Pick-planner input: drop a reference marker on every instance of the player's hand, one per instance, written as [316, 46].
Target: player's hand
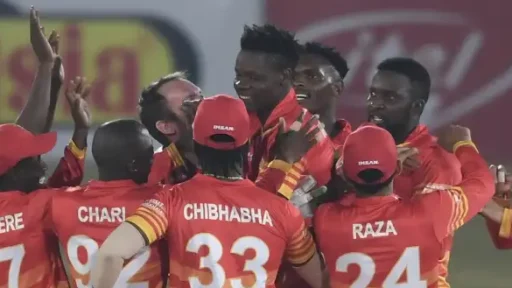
[58, 74]
[305, 200]
[453, 134]
[40, 44]
[409, 157]
[503, 180]
[76, 94]
[306, 191]
[308, 197]
[305, 194]
[293, 144]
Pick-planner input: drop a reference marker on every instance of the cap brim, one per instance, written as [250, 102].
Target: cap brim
[43, 143]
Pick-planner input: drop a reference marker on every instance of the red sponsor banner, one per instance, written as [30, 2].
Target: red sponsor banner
[460, 42]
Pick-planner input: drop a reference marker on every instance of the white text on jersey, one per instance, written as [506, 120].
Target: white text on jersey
[209, 211]
[11, 222]
[87, 214]
[376, 229]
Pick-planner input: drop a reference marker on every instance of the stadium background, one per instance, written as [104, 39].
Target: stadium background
[122, 45]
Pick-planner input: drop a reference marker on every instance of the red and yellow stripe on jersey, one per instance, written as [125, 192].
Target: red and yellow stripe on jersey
[291, 179]
[301, 247]
[151, 220]
[506, 224]
[459, 208]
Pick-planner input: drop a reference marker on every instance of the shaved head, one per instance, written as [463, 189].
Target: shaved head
[123, 148]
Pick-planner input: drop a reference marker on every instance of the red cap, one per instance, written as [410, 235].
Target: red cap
[221, 114]
[369, 147]
[16, 144]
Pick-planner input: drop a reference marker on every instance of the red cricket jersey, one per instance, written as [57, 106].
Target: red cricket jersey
[438, 167]
[70, 170]
[224, 234]
[344, 129]
[288, 277]
[28, 250]
[82, 220]
[387, 241]
[318, 160]
[168, 166]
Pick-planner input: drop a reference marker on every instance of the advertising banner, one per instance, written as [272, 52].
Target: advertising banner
[118, 55]
[460, 42]
[122, 46]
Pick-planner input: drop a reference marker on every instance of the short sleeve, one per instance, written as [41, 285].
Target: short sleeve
[300, 246]
[152, 217]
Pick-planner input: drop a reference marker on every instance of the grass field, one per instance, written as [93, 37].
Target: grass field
[475, 263]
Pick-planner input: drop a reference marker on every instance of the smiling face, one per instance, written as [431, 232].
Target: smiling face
[181, 97]
[316, 83]
[259, 82]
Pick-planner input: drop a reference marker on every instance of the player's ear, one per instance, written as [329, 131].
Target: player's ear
[417, 107]
[165, 127]
[132, 167]
[338, 88]
[286, 76]
[169, 129]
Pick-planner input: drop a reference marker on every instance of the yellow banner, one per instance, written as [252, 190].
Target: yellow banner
[119, 57]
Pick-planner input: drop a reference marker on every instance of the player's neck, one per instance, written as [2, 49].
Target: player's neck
[112, 175]
[401, 134]
[328, 118]
[264, 114]
[232, 175]
[386, 191]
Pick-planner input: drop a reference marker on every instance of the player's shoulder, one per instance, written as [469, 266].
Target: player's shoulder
[325, 208]
[438, 156]
[334, 210]
[46, 193]
[60, 194]
[13, 199]
[35, 201]
[146, 190]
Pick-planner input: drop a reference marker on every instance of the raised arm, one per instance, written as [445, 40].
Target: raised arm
[456, 205]
[34, 115]
[70, 170]
[57, 80]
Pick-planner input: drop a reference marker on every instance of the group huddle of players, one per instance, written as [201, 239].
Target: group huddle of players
[269, 189]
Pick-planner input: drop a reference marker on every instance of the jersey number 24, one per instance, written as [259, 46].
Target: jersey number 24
[409, 263]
